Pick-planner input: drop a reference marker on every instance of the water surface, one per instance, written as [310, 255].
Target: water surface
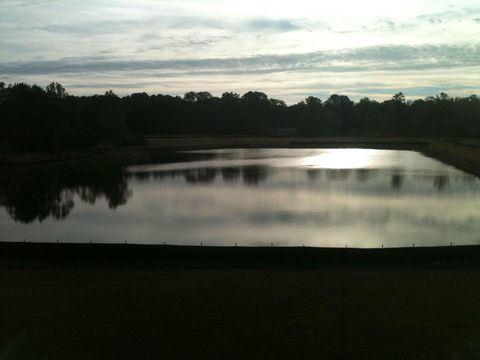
[253, 197]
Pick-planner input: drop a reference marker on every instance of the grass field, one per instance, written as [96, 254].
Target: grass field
[130, 302]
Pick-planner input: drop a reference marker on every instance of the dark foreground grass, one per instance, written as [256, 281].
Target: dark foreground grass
[128, 255]
[141, 302]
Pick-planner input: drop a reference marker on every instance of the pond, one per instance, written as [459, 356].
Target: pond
[252, 197]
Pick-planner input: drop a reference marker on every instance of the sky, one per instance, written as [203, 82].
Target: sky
[288, 49]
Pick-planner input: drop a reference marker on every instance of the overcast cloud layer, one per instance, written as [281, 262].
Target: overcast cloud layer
[289, 50]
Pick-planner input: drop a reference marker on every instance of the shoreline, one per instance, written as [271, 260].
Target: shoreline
[461, 153]
[18, 254]
[162, 144]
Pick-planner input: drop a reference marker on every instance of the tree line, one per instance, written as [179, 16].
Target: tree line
[49, 119]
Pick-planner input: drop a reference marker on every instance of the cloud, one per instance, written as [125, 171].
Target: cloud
[419, 91]
[264, 24]
[458, 14]
[383, 25]
[166, 22]
[102, 27]
[27, 3]
[376, 58]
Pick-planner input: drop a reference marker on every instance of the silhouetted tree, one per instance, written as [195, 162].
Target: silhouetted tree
[313, 101]
[197, 96]
[56, 90]
[341, 114]
[34, 119]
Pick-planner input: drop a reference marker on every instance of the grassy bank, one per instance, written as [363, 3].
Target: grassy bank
[461, 153]
[128, 255]
[195, 143]
[126, 302]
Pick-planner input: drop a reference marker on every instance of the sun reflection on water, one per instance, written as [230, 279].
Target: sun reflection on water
[343, 159]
